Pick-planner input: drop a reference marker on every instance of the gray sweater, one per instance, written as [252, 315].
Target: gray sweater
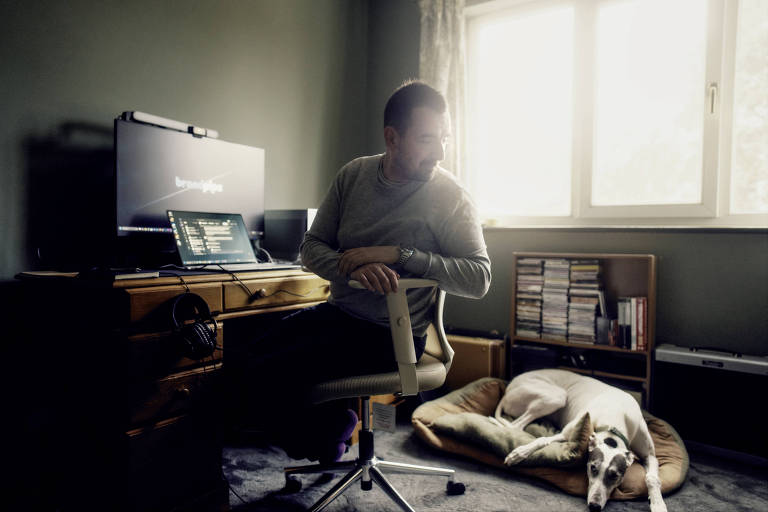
[436, 217]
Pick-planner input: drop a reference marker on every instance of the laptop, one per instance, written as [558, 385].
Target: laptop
[215, 241]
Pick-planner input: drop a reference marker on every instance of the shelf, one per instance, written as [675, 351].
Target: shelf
[622, 275]
[586, 346]
[608, 375]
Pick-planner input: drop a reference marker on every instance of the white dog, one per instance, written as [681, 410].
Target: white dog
[620, 430]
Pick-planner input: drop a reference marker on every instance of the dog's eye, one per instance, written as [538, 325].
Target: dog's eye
[594, 469]
[611, 474]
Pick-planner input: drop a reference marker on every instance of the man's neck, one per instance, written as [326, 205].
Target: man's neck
[390, 170]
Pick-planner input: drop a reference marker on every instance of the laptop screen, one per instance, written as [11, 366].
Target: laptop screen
[211, 238]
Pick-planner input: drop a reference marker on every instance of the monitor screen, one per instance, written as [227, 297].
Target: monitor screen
[159, 169]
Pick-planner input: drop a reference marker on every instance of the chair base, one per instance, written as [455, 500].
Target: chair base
[367, 471]
[366, 468]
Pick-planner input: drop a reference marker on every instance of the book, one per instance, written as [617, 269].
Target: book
[642, 323]
[633, 323]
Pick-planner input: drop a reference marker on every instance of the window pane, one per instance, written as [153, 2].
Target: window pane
[749, 157]
[519, 112]
[649, 102]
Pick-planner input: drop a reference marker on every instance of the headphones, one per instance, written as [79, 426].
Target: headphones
[197, 340]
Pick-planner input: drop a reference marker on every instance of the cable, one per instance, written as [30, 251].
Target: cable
[269, 256]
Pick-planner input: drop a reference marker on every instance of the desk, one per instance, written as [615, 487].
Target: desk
[116, 417]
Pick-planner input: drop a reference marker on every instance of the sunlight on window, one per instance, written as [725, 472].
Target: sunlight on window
[519, 113]
[749, 157]
[649, 102]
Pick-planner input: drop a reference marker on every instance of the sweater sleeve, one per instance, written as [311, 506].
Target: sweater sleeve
[462, 266]
[319, 249]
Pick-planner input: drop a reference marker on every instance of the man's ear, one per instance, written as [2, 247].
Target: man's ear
[391, 137]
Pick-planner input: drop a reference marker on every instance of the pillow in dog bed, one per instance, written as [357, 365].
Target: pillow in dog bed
[458, 423]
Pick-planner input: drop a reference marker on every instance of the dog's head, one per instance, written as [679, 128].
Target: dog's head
[609, 458]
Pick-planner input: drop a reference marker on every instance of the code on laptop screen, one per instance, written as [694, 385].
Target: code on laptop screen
[210, 238]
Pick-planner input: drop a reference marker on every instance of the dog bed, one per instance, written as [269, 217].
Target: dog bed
[458, 423]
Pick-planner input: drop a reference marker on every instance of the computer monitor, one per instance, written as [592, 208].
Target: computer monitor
[159, 169]
[284, 230]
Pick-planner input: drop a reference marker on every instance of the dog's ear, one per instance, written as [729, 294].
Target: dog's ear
[592, 442]
[630, 458]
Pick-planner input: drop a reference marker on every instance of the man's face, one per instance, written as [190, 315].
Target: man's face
[416, 153]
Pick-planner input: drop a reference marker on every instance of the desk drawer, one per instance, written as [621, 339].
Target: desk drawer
[293, 290]
[143, 303]
[159, 354]
[174, 395]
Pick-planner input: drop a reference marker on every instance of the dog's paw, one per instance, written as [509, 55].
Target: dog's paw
[515, 456]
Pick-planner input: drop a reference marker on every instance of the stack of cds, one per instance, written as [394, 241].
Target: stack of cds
[584, 300]
[554, 313]
[530, 281]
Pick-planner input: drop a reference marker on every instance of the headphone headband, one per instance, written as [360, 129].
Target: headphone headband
[195, 304]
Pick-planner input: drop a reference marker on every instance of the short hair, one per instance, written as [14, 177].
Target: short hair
[411, 94]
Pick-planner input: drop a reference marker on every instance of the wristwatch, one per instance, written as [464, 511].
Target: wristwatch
[405, 255]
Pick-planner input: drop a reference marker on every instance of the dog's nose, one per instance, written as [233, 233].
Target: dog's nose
[594, 507]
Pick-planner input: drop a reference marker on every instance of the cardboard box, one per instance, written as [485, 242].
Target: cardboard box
[476, 358]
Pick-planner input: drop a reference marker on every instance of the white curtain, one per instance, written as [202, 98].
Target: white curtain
[441, 64]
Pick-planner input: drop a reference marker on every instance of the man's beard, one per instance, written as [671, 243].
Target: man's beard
[425, 172]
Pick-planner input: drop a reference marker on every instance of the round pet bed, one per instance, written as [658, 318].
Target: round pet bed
[458, 423]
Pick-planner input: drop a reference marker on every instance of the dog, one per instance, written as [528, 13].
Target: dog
[620, 432]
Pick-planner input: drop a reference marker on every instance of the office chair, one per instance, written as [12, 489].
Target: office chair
[412, 376]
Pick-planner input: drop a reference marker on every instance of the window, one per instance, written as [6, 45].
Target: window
[616, 112]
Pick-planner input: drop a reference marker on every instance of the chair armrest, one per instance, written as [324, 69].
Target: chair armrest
[409, 282]
[402, 335]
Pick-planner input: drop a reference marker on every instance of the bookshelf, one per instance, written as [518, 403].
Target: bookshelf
[621, 275]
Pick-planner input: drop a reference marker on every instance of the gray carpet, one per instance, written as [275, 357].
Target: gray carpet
[255, 474]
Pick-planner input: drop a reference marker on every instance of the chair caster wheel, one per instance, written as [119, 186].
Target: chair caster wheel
[366, 486]
[292, 485]
[455, 488]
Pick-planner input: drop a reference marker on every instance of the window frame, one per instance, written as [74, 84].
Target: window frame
[714, 208]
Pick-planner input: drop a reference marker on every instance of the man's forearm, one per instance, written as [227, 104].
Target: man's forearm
[320, 258]
[466, 277]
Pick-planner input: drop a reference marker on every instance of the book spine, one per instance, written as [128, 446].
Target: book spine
[626, 326]
[642, 323]
[633, 322]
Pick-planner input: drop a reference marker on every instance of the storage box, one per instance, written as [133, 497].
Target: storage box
[474, 359]
[711, 397]
[525, 358]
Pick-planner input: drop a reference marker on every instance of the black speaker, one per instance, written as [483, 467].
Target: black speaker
[196, 340]
[712, 397]
[284, 230]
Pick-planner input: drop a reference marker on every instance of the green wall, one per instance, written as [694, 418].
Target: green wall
[288, 76]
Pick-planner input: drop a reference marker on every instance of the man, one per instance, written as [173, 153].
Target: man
[384, 217]
[399, 214]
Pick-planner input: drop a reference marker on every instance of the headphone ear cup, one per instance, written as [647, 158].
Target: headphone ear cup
[197, 340]
[206, 340]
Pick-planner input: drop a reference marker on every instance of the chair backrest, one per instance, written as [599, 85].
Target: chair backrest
[402, 335]
[437, 342]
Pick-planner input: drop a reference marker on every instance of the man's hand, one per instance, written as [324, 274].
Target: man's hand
[376, 277]
[354, 258]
